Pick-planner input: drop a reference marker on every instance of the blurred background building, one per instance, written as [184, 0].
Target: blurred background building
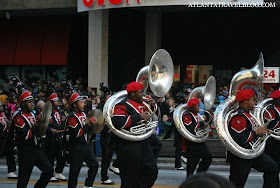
[112, 42]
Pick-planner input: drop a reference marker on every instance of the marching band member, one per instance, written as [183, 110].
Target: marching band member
[79, 150]
[138, 168]
[107, 142]
[7, 149]
[241, 128]
[29, 154]
[53, 140]
[272, 146]
[195, 151]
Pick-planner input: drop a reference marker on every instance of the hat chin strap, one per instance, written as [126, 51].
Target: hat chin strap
[25, 109]
[77, 109]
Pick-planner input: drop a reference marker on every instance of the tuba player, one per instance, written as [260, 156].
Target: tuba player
[191, 150]
[272, 146]
[137, 163]
[241, 128]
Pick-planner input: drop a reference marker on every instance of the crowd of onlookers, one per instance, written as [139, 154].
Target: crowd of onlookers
[178, 94]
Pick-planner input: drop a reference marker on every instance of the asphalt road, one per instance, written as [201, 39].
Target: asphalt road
[168, 177]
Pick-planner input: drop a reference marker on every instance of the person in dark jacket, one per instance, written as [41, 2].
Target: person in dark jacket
[53, 139]
[137, 162]
[241, 129]
[29, 154]
[79, 150]
[272, 147]
[6, 146]
[193, 151]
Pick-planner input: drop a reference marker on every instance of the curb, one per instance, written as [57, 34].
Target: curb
[169, 160]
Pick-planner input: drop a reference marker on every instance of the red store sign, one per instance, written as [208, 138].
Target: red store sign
[271, 75]
[89, 3]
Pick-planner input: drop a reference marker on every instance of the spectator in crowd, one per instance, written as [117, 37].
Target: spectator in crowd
[168, 96]
[166, 124]
[216, 103]
[1, 89]
[6, 86]
[41, 105]
[202, 108]
[185, 91]
[221, 98]
[163, 108]
[55, 76]
[3, 97]
[41, 95]
[171, 104]
[81, 90]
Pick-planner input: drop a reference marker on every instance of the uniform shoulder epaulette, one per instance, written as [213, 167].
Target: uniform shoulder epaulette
[240, 112]
[72, 113]
[19, 113]
[271, 106]
[124, 101]
[187, 113]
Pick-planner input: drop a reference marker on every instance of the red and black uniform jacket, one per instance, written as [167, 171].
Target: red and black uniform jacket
[55, 123]
[25, 129]
[3, 126]
[4, 141]
[272, 145]
[275, 115]
[241, 128]
[127, 114]
[78, 129]
[192, 123]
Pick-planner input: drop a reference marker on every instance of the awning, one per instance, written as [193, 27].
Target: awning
[56, 42]
[8, 38]
[35, 41]
[29, 45]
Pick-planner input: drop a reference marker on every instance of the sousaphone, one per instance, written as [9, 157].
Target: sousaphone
[159, 76]
[244, 79]
[207, 94]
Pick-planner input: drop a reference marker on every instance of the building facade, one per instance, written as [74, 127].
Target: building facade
[111, 40]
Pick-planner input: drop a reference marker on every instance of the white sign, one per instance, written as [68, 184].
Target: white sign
[271, 75]
[87, 5]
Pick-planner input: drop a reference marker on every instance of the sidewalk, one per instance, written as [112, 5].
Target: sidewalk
[215, 161]
[168, 160]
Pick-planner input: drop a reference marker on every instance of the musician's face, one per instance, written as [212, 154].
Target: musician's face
[277, 102]
[81, 105]
[138, 95]
[55, 103]
[251, 103]
[195, 108]
[30, 105]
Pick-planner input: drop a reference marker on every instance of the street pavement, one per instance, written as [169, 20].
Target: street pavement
[168, 177]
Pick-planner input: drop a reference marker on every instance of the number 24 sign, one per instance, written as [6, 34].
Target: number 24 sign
[271, 75]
